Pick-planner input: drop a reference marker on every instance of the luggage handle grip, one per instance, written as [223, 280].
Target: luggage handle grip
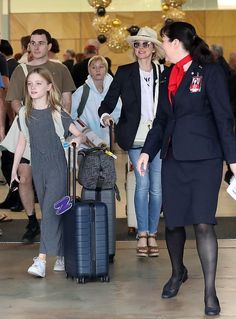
[73, 144]
[110, 134]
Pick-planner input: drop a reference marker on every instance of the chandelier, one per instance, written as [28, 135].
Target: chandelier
[114, 34]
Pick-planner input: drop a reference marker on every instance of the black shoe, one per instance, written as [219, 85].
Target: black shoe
[18, 207]
[32, 231]
[6, 204]
[169, 290]
[213, 310]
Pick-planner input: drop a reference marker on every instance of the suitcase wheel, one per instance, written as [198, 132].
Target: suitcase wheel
[111, 259]
[68, 276]
[105, 279]
[80, 280]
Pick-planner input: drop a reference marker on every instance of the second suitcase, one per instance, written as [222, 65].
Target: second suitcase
[106, 196]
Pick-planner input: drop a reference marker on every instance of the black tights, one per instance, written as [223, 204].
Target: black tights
[207, 250]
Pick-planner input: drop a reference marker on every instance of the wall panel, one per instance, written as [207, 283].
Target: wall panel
[74, 29]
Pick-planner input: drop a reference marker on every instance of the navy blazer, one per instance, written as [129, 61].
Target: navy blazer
[126, 85]
[199, 125]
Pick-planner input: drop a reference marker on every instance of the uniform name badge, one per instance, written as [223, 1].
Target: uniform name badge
[196, 84]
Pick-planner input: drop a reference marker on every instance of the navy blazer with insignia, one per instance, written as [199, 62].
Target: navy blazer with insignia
[199, 125]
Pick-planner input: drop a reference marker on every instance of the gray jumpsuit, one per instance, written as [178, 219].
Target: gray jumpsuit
[49, 170]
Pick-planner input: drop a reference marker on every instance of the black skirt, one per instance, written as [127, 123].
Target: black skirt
[190, 190]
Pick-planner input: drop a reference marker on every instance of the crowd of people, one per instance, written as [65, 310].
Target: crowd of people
[175, 120]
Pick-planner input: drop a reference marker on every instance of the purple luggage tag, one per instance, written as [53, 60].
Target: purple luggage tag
[63, 205]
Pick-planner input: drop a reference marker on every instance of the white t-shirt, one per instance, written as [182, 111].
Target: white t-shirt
[146, 94]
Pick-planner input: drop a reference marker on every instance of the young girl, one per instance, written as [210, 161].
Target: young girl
[43, 124]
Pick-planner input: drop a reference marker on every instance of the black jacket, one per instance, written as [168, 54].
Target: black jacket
[199, 125]
[126, 85]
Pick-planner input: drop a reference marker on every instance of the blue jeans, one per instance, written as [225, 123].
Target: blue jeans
[148, 195]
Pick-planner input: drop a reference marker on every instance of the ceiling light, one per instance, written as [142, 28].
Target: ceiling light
[226, 4]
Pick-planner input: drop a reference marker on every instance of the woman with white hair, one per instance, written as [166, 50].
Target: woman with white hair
[137, 84]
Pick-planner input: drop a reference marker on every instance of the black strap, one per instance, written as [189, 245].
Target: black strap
[73, 195]
[110, 136]
[83, 100]
[117, 192]
[100, 179]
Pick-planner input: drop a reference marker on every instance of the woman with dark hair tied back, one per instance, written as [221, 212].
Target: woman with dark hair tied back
[194, 130]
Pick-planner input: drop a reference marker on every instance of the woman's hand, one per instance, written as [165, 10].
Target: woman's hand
[233, 168]
[107, 120]
[2, 134]
[142, 163]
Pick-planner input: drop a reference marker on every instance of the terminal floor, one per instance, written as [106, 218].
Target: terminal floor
[134, 289]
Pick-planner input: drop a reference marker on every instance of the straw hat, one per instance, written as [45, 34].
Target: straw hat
[145, 34]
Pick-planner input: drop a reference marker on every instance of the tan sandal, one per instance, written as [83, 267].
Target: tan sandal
[142, 251]
[153, 250]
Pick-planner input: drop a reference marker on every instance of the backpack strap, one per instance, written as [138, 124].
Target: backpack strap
[25, 70]
[83, 100]
[57, 120]
[23, 124]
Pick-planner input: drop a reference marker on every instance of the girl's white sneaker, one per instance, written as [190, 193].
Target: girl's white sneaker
[38, 268]
[59, 264]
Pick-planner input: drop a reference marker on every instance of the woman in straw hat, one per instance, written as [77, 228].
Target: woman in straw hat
[137, 84]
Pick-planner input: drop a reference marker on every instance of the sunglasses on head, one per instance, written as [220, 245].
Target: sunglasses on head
[145, 44]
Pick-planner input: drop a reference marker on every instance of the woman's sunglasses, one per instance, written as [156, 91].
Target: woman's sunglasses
[144, 45]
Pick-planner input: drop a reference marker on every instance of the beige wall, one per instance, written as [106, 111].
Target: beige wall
[73, 29]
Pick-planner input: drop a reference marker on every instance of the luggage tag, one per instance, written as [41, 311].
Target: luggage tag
[196, 84]
[63, 205]
[109, 153]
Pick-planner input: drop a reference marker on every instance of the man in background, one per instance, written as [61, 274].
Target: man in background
[12, 200]
[25, 49]
[80, 70]
[69, 59]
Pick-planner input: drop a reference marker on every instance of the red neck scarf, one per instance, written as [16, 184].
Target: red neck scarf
[176, 76]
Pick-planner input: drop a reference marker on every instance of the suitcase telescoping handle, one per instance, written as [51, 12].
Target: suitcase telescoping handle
[73, 172]
[110, 135]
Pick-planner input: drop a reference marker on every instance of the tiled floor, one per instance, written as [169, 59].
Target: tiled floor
[135, 287]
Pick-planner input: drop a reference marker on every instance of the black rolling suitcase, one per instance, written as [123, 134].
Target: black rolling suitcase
[104, 191]
[85, 238]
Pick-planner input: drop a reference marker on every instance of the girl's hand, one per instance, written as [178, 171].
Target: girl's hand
[142, 163]
[14, 177]
[107, 120]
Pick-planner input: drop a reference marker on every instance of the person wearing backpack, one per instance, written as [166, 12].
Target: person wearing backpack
[88, 97]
